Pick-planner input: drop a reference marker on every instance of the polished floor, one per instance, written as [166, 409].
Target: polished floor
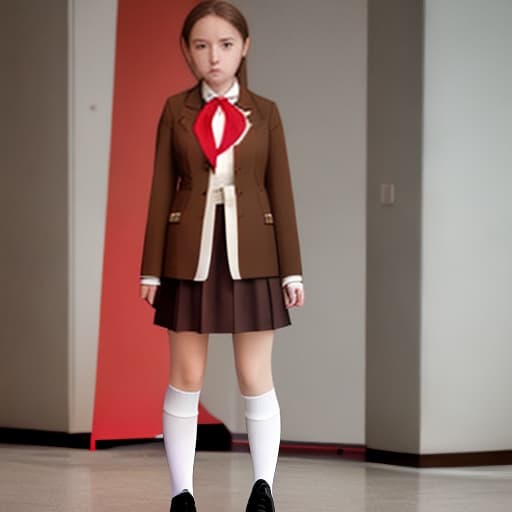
[134, 478]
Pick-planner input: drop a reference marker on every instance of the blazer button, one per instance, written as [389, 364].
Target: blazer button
[203, 192]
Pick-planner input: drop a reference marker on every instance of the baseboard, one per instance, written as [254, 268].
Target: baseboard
[440, 459]
[44, 437]
[210, 437]
[240, 443]
[216, 437]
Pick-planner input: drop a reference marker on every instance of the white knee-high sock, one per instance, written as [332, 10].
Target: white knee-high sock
[263, 421]
[180, 411]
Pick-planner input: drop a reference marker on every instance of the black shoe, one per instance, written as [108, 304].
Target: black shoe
[260, 499]
[183, 502]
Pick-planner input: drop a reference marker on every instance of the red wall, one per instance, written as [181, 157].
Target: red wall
[133, 357]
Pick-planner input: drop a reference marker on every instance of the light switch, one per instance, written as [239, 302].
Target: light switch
[387, 193]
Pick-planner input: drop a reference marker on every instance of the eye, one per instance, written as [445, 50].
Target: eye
[228, 44]
[200, 46]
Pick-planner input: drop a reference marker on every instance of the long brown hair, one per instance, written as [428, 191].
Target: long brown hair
[226, 11]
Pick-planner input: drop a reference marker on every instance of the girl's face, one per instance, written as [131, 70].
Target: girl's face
[215, 51]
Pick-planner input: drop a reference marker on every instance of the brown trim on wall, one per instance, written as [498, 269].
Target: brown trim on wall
[44, 437]
[210, 437]
[503, 457]
[240, 443]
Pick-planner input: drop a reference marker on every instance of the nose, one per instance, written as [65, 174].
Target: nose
[214, 55]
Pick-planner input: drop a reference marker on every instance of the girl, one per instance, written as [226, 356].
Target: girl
[221, 248]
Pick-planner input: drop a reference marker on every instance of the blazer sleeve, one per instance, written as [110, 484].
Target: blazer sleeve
[162, 188]
[279, 187]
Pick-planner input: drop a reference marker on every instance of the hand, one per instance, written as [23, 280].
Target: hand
[147, 292]
[293, 294]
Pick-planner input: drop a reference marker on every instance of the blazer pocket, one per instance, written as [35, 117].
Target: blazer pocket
[268, 218]
[174, 216]
[179, 205]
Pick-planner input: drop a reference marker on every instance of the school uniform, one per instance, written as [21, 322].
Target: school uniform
[221, 238]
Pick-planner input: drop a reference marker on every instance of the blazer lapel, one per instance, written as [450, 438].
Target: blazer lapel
[194, 102]
[246, 102]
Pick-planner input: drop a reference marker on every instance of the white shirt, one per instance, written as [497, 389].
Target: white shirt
[221, 190]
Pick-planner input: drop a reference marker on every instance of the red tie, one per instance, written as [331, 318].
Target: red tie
[233, 127]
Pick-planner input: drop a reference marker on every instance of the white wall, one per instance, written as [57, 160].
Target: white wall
[310, 57]
[92, 37]
[466, 331]
[439, 328]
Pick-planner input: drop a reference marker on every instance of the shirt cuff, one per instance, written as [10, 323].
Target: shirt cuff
[291, 279]
[150, 280]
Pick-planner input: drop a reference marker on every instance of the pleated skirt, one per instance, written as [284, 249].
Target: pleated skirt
[220, 304]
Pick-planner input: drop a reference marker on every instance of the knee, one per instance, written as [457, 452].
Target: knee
[188, 378]
[246, 384]
[187, 352]
[254, 381]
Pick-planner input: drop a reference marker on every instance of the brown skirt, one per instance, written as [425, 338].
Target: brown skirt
[220, 304]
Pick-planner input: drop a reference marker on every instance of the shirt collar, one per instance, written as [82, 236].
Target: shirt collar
[231, 94]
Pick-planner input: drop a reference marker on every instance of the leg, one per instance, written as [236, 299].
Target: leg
[253, 360]
[188, 351]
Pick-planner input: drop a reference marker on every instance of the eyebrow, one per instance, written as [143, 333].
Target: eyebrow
[199, 39]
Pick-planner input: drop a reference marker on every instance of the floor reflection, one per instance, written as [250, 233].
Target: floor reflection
[135, 478]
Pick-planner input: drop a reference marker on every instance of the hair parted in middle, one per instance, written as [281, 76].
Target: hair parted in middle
[226, 11]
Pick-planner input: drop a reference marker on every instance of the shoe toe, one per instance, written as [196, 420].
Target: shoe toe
[260, 499]
[183, 502]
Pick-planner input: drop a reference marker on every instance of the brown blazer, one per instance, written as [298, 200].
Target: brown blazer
[268, 242]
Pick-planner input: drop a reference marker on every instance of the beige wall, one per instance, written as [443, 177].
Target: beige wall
[437, 270]
[91, 77]
[310, 57]
[439, 127]
[395, 48]
[56, 107]
[71, 58]
[34, 212]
